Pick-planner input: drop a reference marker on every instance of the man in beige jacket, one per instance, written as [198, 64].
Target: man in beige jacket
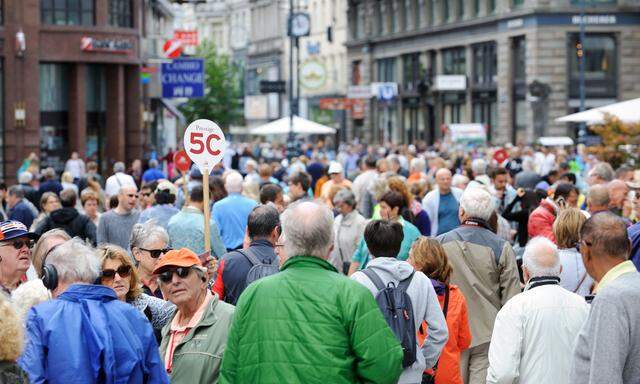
[485, 270]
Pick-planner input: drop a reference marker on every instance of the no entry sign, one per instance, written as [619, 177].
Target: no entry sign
[182, 161]
[172, 48]
[204, 143]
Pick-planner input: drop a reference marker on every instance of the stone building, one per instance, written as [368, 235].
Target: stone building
[511, 65]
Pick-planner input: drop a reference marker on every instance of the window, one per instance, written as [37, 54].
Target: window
[485, 63]
[411, 71]
[356, 75]
[379, 21]
[519, 102]
[386, 70]
[595, 3]
[54, 114]
[67, 12]
[432, 12]
[517, 3]
[417, 14]
[460, 9]
[476, 7]
[446, 12]
[600, 64]
[120, 14]
[492, 6]
[454, 61]
[405, 9]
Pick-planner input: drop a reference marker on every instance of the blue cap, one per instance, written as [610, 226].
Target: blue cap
[12, 229]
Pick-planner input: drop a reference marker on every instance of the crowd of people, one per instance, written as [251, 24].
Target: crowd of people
[385, 264]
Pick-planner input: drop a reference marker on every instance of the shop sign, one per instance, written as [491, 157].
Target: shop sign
[385, 91]
[357, 109]
[467, 133]
[256, 107]
[594, 19]
[451, 83]
[187, 38]
[119, 46]
[183, 78]
[335, 104]
[313, 75]
[359, 92]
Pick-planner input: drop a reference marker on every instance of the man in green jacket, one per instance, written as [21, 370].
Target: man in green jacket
[308, 323]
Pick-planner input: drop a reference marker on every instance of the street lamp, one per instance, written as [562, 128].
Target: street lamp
[581, 53]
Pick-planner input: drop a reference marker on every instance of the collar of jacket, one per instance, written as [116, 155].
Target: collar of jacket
[307, 262]
[77, 292]
[190, 209]
[540, 281]
[261, 243]
[208, 319]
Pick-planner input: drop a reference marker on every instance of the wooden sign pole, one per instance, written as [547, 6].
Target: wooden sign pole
[185, 190]
[207, 211]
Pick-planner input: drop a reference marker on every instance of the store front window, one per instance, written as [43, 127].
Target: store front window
[120, 13]
[54, 114]
[96, 108]
[601, 72]
[454, 108]
[67, 12]
[485, 65]
[454, 61]
[519, 86]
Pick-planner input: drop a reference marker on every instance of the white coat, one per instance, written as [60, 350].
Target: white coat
[431, 202]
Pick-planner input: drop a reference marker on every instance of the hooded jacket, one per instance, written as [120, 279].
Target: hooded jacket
[72, 222]
[87, 335]
[425, 308]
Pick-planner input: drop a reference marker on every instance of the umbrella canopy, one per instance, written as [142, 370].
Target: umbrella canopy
[627, 111]
[555, 141]
[300, 126]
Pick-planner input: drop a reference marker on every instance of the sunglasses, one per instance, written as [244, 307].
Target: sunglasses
[167, 275]
[155, 253]
[18, 244]
[123, 271]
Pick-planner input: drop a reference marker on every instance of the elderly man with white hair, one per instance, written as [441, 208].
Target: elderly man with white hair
[484, 268]
[86, 332]
[308, 323]
[534, 333]
[442, 204]
[232, 212]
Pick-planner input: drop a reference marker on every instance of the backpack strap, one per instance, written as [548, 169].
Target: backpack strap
[250, 256]
[404, 284]
[375, 279]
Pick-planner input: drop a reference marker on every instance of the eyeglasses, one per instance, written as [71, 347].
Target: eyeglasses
[167, 275]
[155, 253]
[18, 244]
[132, 195]
[579, 243]
[123, 271]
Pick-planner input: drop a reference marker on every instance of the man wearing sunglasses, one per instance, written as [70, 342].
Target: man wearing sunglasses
[15, 254]
[193, 342]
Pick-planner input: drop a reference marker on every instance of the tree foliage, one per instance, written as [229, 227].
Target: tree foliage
[221, 93]
[620, 141]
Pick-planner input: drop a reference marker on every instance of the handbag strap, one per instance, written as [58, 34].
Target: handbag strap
[584, 276]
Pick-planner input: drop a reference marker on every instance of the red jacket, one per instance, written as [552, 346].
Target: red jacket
[541, 221]
[459, 338]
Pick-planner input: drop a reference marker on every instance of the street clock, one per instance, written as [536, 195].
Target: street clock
[299, 24]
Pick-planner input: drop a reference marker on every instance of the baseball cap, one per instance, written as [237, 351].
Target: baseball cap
[335, 167]
[12, 229]
[182, 257]
[167, 186]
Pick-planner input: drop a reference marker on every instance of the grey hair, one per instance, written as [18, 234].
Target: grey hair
[345, 196]
[17, 191]
[528, 164]
[233, 182]
[598, 195]
[418, 164]
[308, 228]
[75, 262]
[25, 177]
[479, 167]
[541, 257]
[603, 171]
[147, 232]
[118, 167]
[459, 179]
[477, 203]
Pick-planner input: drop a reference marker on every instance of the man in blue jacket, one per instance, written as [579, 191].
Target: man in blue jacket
[86, 335]
[18, 208]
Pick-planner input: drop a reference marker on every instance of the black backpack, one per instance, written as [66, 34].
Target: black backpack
[397, 310]
[258, 268]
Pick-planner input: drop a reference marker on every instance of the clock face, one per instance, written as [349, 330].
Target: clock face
[300, 24]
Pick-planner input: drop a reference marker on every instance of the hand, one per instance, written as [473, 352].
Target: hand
[520, 192]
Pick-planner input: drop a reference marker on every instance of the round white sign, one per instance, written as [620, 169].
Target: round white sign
[204, 143]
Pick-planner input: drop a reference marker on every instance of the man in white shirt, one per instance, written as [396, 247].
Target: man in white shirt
[534, 333]
[118, 180]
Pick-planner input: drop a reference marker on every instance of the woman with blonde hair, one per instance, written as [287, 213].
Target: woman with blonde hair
[11, 344]
[428, 256]
[566, 229]
[67, 182]
[119, 273]
[49, 202]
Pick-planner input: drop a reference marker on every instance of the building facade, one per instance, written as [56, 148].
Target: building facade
[511, 65]
[70, 81]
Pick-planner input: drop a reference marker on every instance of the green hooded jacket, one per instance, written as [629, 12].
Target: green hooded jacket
[197, 357]
[309, 324]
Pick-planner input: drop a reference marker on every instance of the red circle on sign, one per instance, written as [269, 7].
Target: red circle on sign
[172, 48]
[182, 161]
[500, 156]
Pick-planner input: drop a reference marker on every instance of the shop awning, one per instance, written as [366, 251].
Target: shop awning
[301, 126]
[627, 111]
[174, 111]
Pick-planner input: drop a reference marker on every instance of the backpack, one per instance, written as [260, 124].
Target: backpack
[258, 269]
[397, 310]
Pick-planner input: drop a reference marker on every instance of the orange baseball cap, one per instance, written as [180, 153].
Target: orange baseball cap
[182, 257]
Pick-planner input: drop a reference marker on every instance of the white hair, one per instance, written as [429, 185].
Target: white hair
[479, 167]
[418, 164]
[233, 182]
[541, 257]
[118, 167]
[28, 295]
[75, 262]
[25, 177]
[528, 164]
[308, 228]
[146, 233]
[458, 179]
[477, 203]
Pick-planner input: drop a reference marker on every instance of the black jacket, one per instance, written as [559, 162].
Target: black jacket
[72, 222]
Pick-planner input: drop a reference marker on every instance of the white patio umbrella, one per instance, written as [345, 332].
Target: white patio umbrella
[627, 111]
[300, 126]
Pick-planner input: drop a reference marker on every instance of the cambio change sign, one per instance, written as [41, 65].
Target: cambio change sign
[183, 78]
[205, 143]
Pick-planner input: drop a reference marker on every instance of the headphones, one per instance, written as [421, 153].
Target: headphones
[49, 276]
